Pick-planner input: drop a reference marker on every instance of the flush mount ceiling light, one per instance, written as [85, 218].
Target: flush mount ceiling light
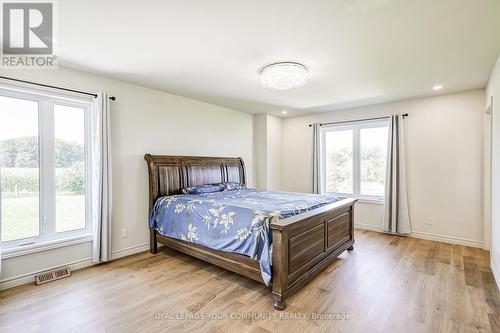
[437, 87]
[283, 75]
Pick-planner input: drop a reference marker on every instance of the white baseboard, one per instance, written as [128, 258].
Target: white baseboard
[427, 236]
[495, 273]
[447, 239]
[368, 227]
[129, 251]
[30, 277]
[73, 266]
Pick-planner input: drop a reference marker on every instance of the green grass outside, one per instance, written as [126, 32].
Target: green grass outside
[20, 216]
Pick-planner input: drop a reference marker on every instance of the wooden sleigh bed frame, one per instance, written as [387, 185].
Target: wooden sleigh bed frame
[303, 245]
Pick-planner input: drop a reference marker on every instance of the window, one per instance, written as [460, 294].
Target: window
[44, 167]
[354, 159]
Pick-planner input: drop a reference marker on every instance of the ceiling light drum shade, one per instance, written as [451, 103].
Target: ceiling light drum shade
[283, 75]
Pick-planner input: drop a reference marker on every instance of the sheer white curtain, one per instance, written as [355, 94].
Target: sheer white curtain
[396, 214]
[316, 158]
[101, 178]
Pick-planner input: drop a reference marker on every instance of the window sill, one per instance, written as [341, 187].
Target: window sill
[363, 199]
[45, 246]
[371, 201]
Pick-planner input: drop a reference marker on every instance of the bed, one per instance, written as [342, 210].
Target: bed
[277, 238]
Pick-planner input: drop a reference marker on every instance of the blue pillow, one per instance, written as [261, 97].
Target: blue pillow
[200, 189]
[232, 186]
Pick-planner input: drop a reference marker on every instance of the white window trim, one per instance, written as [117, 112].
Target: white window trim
[355, 126]
[18, 251]
[47, 221]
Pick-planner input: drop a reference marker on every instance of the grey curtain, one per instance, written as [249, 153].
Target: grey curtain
[101, 178]
[396, 213]
[316, 157]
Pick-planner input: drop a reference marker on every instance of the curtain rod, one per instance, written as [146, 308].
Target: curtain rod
[355, 121]
[54, 87]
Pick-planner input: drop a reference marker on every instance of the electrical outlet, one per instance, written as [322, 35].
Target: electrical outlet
[430, 220]
[124, 233]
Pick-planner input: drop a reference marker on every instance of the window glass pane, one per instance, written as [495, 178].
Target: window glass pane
[19, 169]
[339, 164]
[373, 143]
[70, 167]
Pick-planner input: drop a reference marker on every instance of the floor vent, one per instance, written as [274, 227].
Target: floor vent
[52, 276]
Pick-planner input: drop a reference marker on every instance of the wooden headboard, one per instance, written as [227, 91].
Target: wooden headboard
[169, 174]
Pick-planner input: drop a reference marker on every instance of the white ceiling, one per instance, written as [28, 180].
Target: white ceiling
[357, 52]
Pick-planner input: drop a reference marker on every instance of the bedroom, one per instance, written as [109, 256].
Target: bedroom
[196, 84]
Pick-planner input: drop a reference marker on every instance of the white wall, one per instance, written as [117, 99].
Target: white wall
[487, 178]
[494, 90]
[268, 151]
[143, 121]
[444, 161]
[260, 150]
[275, 153]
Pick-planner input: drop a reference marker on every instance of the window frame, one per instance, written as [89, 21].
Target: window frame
[356, 127]
[46, 147]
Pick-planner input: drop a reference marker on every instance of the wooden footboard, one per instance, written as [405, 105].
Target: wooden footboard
[305, 244]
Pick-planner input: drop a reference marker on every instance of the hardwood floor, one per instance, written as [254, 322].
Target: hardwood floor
[387, 284]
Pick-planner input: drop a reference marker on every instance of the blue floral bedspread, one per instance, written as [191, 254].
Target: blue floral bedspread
[232, 221]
